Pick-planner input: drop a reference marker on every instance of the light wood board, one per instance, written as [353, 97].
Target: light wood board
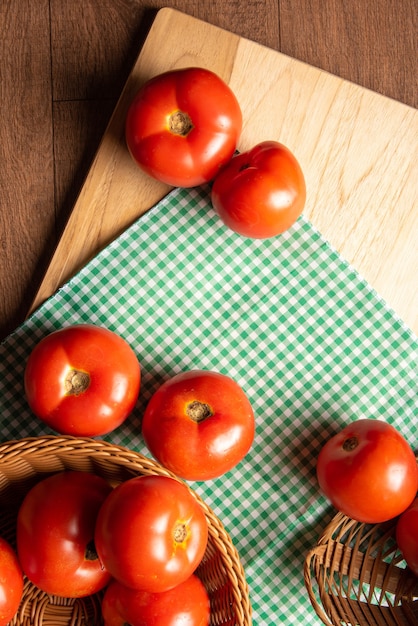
[358, 151]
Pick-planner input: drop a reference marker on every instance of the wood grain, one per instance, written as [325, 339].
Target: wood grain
[355, 147]
[27, 179]
[63, 66]
[79, 124]
[338, 34]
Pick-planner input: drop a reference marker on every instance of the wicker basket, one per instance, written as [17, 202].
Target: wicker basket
[361, 578]
[26, 461]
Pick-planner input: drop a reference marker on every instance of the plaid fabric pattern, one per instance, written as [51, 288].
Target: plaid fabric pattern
[310, 342]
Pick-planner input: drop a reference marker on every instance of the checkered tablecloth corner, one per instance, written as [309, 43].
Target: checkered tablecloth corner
[310, 342]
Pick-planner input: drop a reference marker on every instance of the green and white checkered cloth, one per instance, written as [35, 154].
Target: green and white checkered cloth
[310, 342]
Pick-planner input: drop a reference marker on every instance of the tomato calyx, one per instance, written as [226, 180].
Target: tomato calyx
[76, 382]
[180, 123]
[180, 533]
[198, 411]
[350, 444]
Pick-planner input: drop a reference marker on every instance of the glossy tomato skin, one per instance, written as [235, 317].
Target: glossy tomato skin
[178, 154]
[407, 536]
[55, 533]
[185, 605]
[368, 471]
[260, 193]
[151, 533]
[104, 366]
[11, 582]
[199, 424]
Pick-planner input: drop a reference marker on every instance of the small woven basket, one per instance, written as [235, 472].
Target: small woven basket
[360, 576]
[26, 461]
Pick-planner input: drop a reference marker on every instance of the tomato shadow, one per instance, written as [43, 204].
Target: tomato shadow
[301, 452]
[151, 380]
[290, 512]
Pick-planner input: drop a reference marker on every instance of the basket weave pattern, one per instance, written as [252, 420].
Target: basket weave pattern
[26, 461]
[360, 576]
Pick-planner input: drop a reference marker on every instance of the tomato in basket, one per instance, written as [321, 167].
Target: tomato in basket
[199, 424]
[151, 533]
[55, 534]
[82, 380]
[407, 535]
[182, 125]
[260, 193]
[368, 471]
[11, 582]
[188, 603]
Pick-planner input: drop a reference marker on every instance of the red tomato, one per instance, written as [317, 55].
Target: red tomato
[55, 534]
[185, 605]
[407, 536]
[199, 424]
[260, 193]
[151, 533]
[183, 125]
[11, 583]
[368, 471]
[82, 380]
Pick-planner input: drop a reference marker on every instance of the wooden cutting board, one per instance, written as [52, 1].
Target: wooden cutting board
[358, 151]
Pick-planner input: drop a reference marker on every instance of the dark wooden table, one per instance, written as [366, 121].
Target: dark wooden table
[62, 68]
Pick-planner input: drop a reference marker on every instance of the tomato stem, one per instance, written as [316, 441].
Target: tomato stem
[180, 123]
[198, 411]
[350, 443]
[76, 382]
[180, 533]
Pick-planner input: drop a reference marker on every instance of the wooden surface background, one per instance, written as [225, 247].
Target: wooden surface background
[63, 65]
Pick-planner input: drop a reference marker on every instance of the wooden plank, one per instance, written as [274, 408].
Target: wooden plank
[93, 47]
[373, 44]
[357, 149]
[27, 215]
[78, 129]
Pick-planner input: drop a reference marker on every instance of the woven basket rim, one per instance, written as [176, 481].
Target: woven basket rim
[341, 557]
[43, 447]
[52, 443]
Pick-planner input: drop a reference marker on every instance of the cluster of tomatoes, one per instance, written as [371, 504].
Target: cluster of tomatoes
[183, 127]
[369, 472]
[142, 540]
[84, 380]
